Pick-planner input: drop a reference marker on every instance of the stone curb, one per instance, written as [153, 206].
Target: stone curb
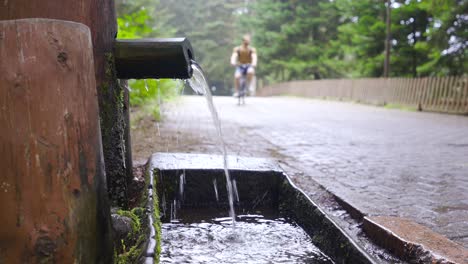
[406, 239]
[413, 242]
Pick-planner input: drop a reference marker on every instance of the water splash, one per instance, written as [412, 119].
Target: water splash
[200, 86]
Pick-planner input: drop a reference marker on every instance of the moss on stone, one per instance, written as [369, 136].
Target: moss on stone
[136, 224]
[157, 220]
[132, 246]
[111, 106]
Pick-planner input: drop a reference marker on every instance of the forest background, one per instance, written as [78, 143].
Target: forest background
[304, 39]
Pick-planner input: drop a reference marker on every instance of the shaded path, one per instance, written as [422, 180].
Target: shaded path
[383, 162]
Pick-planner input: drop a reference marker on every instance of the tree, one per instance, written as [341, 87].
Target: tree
[293, 38]
[447, 38]
[211, 28]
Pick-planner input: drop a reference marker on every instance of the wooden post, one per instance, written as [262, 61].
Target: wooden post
[100, 17]
[449, 107]
[430, 93]
[445, 87]
[424, 93]
[457, 94]
[435, 94]
[53, 199]
[464, 109]
[398, 91]
[463, 98]
[412, 96]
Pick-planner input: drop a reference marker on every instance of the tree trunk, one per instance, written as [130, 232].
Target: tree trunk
[100, 17]
[52, 185]
[388, 44]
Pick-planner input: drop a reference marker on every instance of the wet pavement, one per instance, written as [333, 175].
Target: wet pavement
[381, 161]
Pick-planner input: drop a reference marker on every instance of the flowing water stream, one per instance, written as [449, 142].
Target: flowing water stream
[200, 86]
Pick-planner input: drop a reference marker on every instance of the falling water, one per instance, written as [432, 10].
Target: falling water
[234, 185]
[163, 204]
[158, 128]
[181, 185]
[174, 210]
[159, 92]
[200, 86]
[215, 186]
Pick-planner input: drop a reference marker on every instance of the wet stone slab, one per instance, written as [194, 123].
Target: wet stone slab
[188, 161]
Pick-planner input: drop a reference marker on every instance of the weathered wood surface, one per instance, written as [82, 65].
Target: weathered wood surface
[100, 17]
[52, 181]
[436, 94]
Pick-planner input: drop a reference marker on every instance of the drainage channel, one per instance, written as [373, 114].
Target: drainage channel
[273, 215]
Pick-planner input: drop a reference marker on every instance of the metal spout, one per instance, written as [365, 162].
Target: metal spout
[153, 58]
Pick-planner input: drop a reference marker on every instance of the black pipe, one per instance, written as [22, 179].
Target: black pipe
[153, 58]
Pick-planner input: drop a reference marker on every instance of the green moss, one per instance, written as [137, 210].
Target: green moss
[136, 223]
[107, 107]
[110, 64]
[131, 247]
[157, 220]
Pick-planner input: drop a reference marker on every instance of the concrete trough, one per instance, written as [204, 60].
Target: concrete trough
[261, 185]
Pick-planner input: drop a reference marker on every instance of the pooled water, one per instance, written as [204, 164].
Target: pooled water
[259, 240]
[200, 86]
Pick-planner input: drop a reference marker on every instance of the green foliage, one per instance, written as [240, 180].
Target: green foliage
[150, 94]
[132, 26]
[311, 39]
[447, 38]
[345, 38]
[141, 19]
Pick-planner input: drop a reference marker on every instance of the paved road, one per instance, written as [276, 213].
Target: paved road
[382, 161]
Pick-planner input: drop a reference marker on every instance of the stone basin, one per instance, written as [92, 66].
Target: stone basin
[261, 186]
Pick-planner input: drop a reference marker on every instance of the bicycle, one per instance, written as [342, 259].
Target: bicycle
[243, 83]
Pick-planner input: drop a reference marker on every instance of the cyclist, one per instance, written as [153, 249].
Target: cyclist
[244, 55]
